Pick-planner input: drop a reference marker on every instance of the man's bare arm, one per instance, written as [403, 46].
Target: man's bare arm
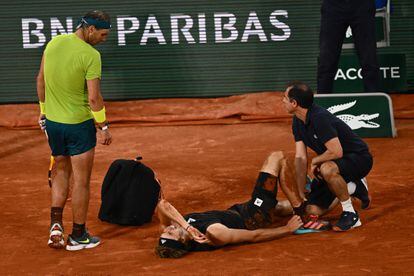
[333, 151]
[285, 178]
[168, 214]
[97, 104]
[40, 82]
[301, 167]
[94, 94]
[220, 235]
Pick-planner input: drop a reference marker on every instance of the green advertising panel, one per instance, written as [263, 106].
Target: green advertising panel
[368, 114]
[168, 48]
[392, 72]
[178, 48]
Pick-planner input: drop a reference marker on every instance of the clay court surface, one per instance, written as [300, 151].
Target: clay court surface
[207, 153]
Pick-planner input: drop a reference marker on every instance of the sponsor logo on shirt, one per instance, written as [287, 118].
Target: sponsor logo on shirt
[258, 202]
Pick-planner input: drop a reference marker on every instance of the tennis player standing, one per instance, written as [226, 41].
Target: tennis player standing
[68, 87]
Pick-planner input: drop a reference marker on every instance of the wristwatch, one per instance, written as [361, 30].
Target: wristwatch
[105, 127]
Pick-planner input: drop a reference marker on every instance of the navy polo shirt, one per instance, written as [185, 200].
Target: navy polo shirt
[321, 126]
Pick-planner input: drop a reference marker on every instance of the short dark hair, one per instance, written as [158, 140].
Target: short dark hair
[301, 93]
[96, 16]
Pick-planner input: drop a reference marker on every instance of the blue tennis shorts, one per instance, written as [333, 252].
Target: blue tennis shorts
[71, 139]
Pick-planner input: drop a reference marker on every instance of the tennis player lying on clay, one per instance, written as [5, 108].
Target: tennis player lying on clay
[245, 222]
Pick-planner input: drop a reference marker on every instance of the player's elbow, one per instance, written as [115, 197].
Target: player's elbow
[220, 235]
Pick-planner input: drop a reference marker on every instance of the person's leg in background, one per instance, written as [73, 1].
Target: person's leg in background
[331, 36]
[363, 29]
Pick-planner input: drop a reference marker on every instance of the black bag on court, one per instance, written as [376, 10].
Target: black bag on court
[129, 193]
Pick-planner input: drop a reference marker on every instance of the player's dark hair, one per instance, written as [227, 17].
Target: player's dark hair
[99, 19]
[169, 252]
[301, 93]
[171, 248]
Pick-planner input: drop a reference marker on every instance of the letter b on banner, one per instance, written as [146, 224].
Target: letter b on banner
[28, 32]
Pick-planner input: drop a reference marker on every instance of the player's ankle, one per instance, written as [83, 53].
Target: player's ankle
[347, 206]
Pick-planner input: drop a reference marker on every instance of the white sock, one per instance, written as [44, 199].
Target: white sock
[347, 205]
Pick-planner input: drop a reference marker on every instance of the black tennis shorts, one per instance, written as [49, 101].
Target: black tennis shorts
[257, 212]
[352, 167]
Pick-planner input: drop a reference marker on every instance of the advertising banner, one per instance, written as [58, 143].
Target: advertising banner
[203, 48]
[368, 114]
[393, 75]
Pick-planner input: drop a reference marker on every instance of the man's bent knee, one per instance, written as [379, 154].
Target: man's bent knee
[328, 170]
[283, 208]
[273, 163]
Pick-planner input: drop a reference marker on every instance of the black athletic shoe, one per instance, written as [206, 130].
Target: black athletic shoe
[86, 241]
[361, 192]
[347, 221]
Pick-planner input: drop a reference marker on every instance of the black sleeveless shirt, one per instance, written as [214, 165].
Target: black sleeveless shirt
[202, 221]
[254, 211]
